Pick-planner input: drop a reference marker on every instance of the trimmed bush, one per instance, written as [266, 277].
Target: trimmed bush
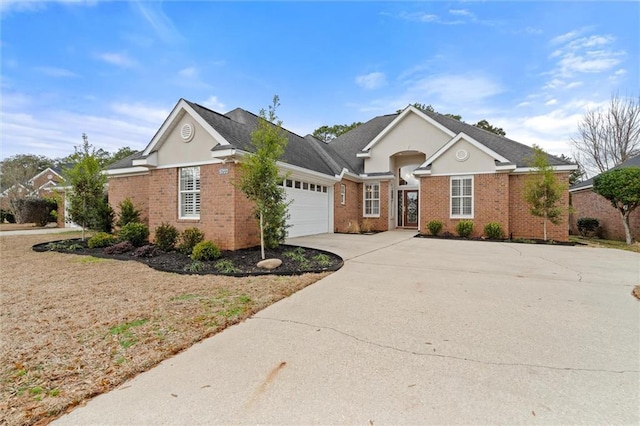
[104, 217]
[434, 227]
[136, 233]
[101, 239]
[189, 238]
[493, 230]
[119, 248]
[146, 251]
[464, 228]
[587, 226]
[128, 213]
[33, 210]
[166, 237]
[205, 251]
[8, 216]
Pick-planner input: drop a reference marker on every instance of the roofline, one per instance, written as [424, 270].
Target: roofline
[394, 123]
[580, 188]
[472, 141]
[42, 172]
[560, 168]
[136, 170]
[182, 105]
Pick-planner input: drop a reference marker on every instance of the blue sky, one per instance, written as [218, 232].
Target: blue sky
[115, 69]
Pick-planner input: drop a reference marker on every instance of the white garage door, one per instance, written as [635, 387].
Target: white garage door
[309, 211]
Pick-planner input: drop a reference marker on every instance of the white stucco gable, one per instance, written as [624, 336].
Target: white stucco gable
[411, 131]
[184, 138]
[464, 155]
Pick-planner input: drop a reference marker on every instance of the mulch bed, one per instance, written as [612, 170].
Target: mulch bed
[445, 236]
[295, 260]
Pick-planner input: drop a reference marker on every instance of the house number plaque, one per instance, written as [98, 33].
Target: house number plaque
[223, 171]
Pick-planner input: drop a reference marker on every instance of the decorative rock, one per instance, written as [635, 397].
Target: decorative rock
[269, 263]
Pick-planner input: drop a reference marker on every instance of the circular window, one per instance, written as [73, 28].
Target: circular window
[49, 176]
[186, 132]
[462, 155]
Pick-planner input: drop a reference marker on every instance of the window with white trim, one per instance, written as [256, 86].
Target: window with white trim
[189, 193]
[461, 197]
[372, 199]
[343, 194]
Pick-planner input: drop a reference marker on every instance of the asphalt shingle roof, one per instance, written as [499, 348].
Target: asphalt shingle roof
[330, 158]
[633, 161]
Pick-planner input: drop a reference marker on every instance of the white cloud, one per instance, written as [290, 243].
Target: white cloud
[574, 84]
[154, 15]
[138, 111]
[56, 72]
[371, 81]
[213, 103]
[189, 72]
[461, 12]
[19, 6]
[118, 59]
[551, 102]
[454, 89]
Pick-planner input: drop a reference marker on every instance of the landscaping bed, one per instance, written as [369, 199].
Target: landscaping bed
[295, 260]
[77, 326]
[446, 236]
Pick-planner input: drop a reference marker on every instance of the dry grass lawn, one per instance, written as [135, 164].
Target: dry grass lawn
[76, 326]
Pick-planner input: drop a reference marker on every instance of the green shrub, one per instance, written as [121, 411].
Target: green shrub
[103, 217]
[8, 216]
[128, 213]
[147, 251]
[587, 226]
[493, 230]
[205, 251]
[166, 237]
[135, 233]
[434, 227]
[33, 210]
[189, 238]
[464, 228]
[101, 239]
[225, 266]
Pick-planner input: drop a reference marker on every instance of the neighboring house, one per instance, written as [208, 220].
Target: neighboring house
[41, 185]
[396, 171]
[587, 203]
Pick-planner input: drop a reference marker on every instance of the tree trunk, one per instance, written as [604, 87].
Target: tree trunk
[544, 226]
[625, 223]
[261, 237]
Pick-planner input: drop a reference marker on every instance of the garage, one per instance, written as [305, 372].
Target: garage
[309, 211]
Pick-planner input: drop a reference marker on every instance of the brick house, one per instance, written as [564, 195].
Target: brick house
[394, 171]
[587, 203]
[42, 185]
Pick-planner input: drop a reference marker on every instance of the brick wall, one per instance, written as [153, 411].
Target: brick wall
[587, 203]
[497, 198]
[134, 187]
[226, 215]
[351, 211]
[523, 224]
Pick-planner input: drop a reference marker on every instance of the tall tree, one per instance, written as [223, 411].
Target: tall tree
[86, 196]
[329, 133]
[259, 179]
[20, 168]
[421, 107]
[542, 190]
[576, 175]
[121, 153]
[622, 188]
[608, 136]
[484, 124]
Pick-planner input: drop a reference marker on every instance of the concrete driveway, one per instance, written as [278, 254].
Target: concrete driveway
[415, 331]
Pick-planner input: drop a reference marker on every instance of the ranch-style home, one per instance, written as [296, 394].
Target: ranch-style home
[394, 171]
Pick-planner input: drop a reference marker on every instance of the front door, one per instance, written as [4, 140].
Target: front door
[411, 209]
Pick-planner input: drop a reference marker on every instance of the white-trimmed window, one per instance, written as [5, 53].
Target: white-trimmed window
[189, 193]
[343, 194]
[372, 199]
[462, 197]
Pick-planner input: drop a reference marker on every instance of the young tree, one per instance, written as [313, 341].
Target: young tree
[259, 178]
[608, 137]
[86, 197]
[329, 133]
[622, 188]
[542, 190]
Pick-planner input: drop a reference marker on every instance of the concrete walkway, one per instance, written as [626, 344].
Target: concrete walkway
[39, 231]
[414, 331]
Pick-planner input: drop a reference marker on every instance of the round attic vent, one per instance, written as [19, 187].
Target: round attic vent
[187, 132]
[462, 155]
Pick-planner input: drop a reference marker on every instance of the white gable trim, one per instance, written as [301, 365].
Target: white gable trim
[181, 108]
[565, 168]
[410, 109]
[48, 169]
[470, 140]
[582, 188]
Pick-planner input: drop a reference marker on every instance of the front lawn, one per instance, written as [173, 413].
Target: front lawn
[77, 326]
[598, 242]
